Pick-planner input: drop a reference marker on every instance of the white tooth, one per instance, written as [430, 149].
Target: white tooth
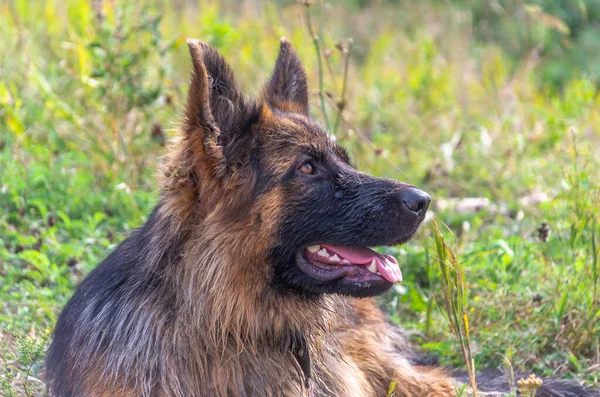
[323, 252]
[345, 262]
[377, 273]
[335, 258]
[313, 248]
[372, 267]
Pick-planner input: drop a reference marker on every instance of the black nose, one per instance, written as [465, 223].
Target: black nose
[415, 200]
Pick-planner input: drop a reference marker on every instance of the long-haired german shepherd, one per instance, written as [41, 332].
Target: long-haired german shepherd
[244, 279]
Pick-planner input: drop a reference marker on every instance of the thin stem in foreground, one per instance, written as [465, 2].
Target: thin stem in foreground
[342, 104]
[453, 300]
[315, 40]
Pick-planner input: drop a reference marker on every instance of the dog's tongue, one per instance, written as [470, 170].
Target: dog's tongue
[387, 265]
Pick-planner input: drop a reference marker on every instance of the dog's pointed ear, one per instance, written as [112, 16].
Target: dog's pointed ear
[198, 115]
[288, 90]
[215, 106]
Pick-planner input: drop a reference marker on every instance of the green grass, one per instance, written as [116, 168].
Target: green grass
[86, 102]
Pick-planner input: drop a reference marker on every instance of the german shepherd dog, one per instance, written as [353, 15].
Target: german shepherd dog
[245, 278]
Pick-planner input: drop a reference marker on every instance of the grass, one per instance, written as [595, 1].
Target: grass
[452, 298]
[89, 95]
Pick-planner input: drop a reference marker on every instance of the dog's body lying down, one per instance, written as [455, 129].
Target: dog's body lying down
[247, 277]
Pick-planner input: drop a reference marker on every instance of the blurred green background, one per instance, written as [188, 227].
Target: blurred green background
[491, 106]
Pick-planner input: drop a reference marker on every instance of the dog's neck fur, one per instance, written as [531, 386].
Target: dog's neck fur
[227, 290]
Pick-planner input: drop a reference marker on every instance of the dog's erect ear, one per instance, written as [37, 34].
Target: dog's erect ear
[287, 90]
[198, 115]
[215, 109]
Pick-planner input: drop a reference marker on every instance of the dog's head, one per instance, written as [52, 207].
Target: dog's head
[270, 181]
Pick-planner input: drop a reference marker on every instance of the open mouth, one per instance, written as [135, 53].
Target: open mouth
[324, 262]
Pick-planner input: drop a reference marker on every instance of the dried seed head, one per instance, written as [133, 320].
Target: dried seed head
[158, 134]
[544, 232]
[529, 385]
[51, 220]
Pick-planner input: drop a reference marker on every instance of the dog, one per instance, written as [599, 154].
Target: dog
[253, 275]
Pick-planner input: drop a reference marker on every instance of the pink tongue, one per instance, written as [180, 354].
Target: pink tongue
[387, 265]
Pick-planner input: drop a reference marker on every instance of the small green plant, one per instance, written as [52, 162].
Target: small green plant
[17, 376]
[510, 375]
[7, 378]
[452, 299]
[114, 71]
[581, 240]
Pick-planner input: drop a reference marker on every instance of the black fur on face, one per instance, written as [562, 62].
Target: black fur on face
[337, 205]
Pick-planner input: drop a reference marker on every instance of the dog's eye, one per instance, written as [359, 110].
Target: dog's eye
[307, 168]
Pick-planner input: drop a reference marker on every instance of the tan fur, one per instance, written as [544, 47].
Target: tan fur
[374, 347]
